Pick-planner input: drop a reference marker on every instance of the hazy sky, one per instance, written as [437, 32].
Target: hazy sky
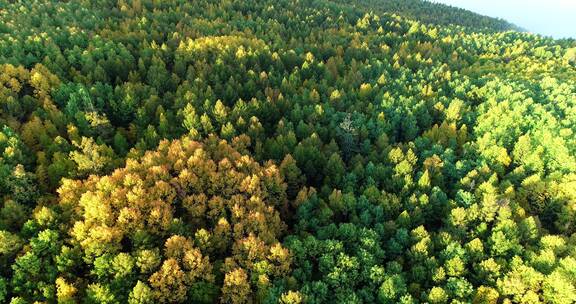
[556, 18]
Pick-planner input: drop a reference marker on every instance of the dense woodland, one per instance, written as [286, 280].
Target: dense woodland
[287, 151]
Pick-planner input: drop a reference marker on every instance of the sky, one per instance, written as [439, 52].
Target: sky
[556, 18]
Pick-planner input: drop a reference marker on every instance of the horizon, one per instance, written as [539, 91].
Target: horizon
[553, 18]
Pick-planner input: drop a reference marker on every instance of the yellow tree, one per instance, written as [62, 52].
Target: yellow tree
[205, 203]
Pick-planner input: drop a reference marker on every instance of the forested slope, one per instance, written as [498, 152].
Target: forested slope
[290, 151]
[435, 13]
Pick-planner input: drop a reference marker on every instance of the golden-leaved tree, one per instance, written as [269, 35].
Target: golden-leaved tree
[213, 211]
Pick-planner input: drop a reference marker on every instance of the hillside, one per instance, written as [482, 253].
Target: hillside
[435, 13]
[289, 151]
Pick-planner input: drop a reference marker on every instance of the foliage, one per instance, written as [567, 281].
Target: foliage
[283, 152]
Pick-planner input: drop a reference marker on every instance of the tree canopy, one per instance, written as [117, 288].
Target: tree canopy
[291, 151]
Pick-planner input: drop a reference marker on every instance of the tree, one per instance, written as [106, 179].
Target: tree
[236, 288]
[65, 292]
[141, 294]
[570, 56]
[291, 297]
[558, 289]
[92, 158]
[10, 244]
[168, 283]
[292, 175]
[97, 293]
[392, 289]
[437, 295]
[334, 171]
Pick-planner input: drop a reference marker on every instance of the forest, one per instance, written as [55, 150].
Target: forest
[287, 151]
